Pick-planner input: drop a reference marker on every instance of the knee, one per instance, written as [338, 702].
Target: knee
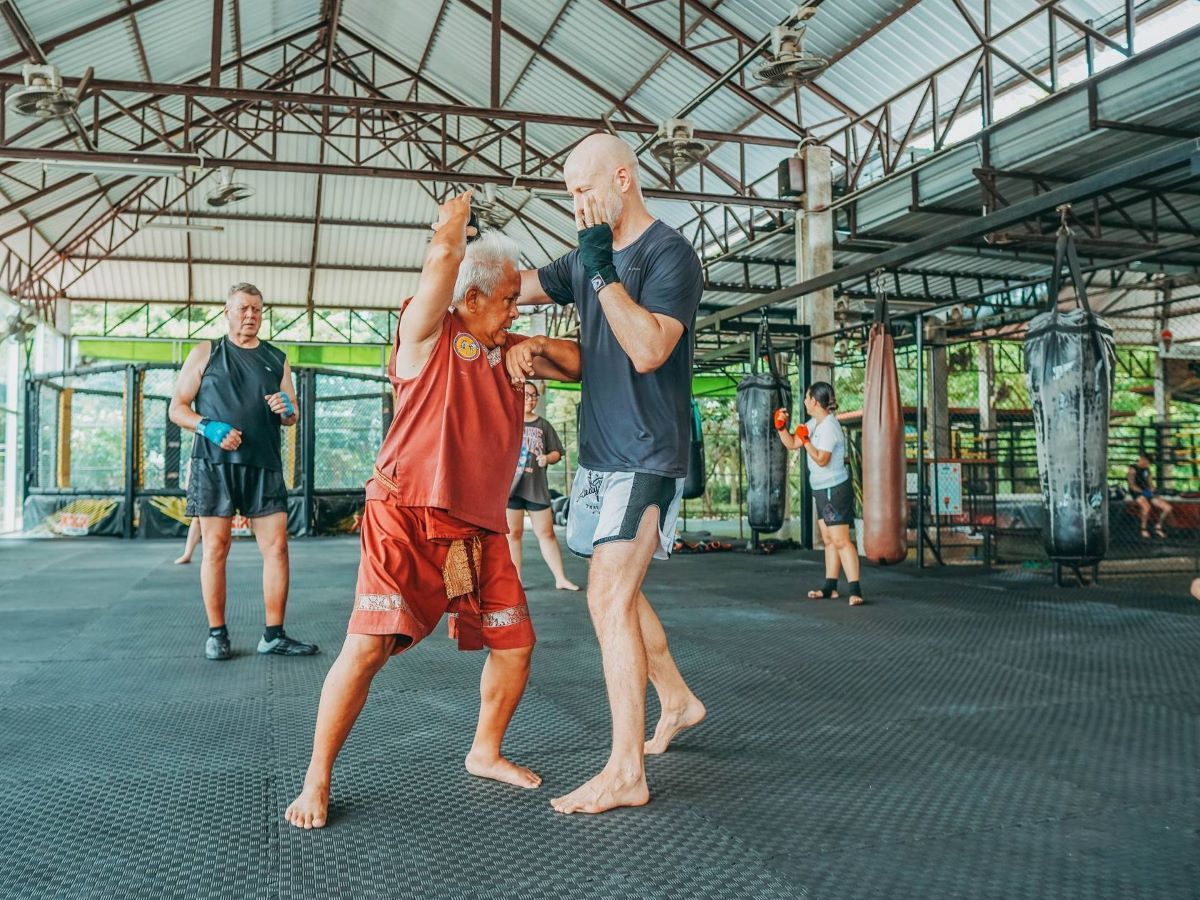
[515, 660]
[216, 547]
[276, 550]
[544, 532]
[604, 601]
[515, 532]
[366, 657]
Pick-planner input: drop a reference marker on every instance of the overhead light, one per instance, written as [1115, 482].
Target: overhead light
[98, 168]
[182, 226]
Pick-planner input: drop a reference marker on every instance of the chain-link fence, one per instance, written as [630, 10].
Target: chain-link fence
[103, 456]
[982, 498]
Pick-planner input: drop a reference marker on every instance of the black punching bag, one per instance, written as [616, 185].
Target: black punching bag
[693, 485]
[1069, 364]
[759, 394]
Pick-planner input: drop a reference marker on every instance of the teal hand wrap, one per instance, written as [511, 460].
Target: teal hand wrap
[596, 252]
[214, 431]
[288, 409]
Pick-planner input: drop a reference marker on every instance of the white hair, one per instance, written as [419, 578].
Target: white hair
[483, 266]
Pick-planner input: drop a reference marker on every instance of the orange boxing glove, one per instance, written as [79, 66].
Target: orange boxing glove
[781, 419]
[802, 434]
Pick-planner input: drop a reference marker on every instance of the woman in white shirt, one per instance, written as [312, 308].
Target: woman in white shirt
[822, 438]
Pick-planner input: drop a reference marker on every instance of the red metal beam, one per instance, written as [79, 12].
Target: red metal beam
[71, 34]
[684, 53]
[214, 71]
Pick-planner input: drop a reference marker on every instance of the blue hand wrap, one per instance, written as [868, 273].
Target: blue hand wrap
[288, 409]
[215, 431]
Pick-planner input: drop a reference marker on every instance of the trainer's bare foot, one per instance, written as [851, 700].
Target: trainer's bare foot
[607, 790]
[310, 808]
[500, 769]
[183, 560]
[672, 721]
[565, 585]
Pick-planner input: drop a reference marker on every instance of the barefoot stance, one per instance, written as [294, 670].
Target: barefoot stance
[602, 793]
[671, 722]
[310, 808]
[183, 560]
[566, 586]
[501, 769]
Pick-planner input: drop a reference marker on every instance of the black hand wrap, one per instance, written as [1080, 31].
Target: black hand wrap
[596, 252]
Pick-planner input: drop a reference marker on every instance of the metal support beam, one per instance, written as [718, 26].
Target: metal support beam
[1145, 167]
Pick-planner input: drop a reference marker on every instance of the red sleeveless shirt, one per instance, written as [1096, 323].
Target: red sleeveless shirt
[456, 433]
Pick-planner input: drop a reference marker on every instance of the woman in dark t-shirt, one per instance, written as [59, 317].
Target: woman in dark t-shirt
[540, 447]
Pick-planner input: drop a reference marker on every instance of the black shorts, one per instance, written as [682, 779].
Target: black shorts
[222, 489]
[835, 505]
[522, 503]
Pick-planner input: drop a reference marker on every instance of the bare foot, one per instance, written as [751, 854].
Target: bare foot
[183, 560]
[565, 585]
[821, 595]
[309, 809]
[856, 600]
[605, 791]
[674, 720]
[1196, 588]
[501, 769]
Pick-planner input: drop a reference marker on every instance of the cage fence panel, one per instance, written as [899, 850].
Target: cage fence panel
[350, 416]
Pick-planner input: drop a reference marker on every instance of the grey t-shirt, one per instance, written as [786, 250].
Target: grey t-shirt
[630, 422]
[529, 481]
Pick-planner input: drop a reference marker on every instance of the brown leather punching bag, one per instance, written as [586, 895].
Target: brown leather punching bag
[884, 487]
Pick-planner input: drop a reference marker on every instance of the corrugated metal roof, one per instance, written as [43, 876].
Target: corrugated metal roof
[176, 35]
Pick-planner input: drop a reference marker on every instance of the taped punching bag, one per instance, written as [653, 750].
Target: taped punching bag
[759, 394]
[693, 485]
[1069, 364]
[884, 486]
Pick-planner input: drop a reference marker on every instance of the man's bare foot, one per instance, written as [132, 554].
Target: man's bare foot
[566, 585]
[607, 790]
[183, 560]
[672, 721]
[310, 808]
[500, 769]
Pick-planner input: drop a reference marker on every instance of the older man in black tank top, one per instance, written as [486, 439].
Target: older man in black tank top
[235, 393]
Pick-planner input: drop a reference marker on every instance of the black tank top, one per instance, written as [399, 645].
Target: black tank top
[232, 389]
[1141, 477]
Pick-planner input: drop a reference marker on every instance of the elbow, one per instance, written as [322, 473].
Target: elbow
[175, 414]
[648, 362]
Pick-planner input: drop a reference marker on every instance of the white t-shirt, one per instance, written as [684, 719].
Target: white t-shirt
[828, 436]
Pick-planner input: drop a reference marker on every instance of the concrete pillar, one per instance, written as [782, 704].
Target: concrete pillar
[10, 359]
[938, 401]
[986, 366]
[814, 256]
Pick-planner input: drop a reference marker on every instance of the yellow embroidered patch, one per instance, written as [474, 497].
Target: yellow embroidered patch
[466, 346]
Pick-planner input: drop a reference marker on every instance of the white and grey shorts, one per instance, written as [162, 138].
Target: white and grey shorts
[608, 506]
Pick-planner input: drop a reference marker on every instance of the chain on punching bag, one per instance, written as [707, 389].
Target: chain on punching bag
[1069, 365]
[759, 394]
[884, 486]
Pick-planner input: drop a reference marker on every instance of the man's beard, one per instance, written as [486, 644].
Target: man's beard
[614, 204]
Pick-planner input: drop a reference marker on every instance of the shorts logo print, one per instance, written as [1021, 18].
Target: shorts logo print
[466, 347]
[595, 481]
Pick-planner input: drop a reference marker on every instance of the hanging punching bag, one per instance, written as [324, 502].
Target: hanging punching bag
[884, 486]
[759, 394]
[693, 485]
[1069, 364]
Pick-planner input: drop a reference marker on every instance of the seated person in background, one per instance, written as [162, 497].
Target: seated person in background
[1141, 490]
